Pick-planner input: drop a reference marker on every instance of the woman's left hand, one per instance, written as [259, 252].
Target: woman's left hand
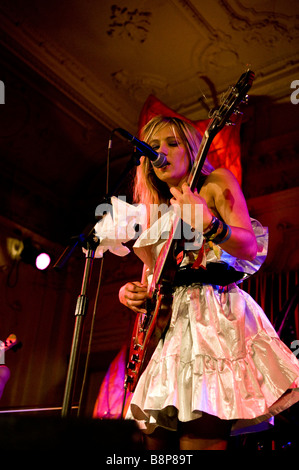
[194, 209]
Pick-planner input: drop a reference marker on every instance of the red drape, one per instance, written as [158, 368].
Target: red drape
[109, 401]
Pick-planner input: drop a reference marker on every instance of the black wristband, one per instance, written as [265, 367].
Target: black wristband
[215, 224]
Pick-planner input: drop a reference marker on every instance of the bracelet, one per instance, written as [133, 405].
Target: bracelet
[212, 228]
[224, 236]
[217, 231]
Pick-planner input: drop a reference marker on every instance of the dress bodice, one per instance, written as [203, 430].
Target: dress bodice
[149, 244]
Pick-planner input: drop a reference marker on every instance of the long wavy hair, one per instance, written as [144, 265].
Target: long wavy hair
[148, 189]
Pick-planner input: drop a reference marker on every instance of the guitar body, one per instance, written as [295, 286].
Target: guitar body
[150, 327]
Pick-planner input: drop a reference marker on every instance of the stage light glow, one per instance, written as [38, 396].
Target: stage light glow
[42, 261]
[29, 252]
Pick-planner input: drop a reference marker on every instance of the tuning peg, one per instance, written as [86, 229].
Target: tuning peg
[238, 112]
[230, 123]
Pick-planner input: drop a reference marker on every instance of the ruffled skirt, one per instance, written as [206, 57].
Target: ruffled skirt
[221, 356]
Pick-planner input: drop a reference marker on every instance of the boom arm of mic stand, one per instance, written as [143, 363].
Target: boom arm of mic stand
[88, 231]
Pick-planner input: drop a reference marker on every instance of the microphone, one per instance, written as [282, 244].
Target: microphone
[158, 160]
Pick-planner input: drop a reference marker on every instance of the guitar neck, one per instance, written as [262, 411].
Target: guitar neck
[192, 181]
[220, 118]
[199, 161]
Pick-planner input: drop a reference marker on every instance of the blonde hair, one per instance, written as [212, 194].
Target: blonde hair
[148, 189]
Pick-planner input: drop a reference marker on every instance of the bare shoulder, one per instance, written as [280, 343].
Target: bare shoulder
[226, 197]
[221, 182]
[222, 177]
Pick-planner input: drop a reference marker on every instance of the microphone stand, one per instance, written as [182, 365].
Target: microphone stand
[80, 312]
[82, 301]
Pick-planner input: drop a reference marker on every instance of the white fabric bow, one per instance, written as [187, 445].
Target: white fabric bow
[117, 226]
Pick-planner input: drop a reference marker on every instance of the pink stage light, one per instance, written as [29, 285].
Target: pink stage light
[42, 261]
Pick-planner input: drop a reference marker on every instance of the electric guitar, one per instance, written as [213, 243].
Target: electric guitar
[150, 327]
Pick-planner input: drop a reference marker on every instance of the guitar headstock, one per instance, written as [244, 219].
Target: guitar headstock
[234, 96]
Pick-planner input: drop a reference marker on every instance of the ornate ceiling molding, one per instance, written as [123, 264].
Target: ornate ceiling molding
[193, 89]
[133, 23]
[247, 17]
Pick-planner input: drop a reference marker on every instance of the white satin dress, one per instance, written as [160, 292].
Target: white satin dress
[220, 355]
